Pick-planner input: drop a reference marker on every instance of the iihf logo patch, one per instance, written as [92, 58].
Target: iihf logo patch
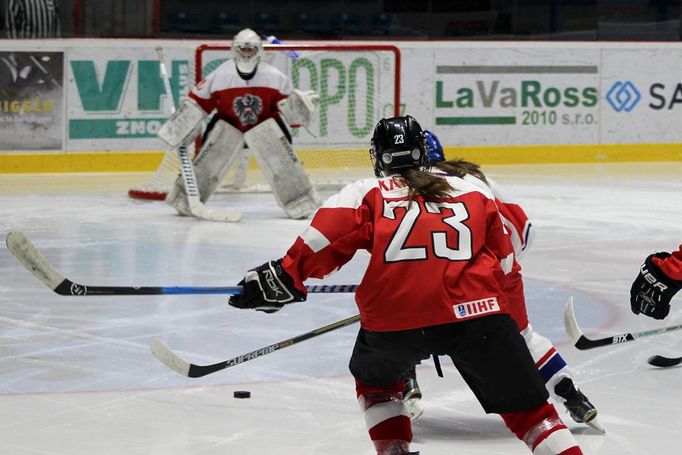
[462, 312]
[248, 108]
[476, 307]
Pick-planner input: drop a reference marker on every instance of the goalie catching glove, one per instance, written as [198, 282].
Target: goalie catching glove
[652, 290]
[267, 288]
[299, 107]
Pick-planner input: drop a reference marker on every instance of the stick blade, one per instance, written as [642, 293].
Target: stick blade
[203, 212]
[169, 358]
[29, 256]
[570, 324]
[661, 361]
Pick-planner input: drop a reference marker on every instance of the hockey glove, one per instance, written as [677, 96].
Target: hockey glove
[267, 288]
[298, 108]
[652, 290]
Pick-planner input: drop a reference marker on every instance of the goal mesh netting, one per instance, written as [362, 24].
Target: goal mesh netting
[358, 84]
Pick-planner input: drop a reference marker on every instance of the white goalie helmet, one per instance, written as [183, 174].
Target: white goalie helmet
[247, 49]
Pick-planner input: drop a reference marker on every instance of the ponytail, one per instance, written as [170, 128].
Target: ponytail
[425, 184]
[433, 186]
[460, 168]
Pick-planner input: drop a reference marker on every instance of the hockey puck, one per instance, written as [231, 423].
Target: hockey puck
[242, 394]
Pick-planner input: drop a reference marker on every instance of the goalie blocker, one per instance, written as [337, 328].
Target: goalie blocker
[183, 125]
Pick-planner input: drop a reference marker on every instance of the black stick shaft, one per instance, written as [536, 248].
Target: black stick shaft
[196, 371]
[29, 256]
[68, 287]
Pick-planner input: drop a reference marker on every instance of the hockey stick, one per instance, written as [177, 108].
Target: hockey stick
[661, 361]
[175, 362]
[196, 207]
[29, 256]
[575, 334]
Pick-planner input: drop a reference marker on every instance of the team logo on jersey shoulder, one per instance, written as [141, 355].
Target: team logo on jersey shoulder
[476, 308]
[248, 108]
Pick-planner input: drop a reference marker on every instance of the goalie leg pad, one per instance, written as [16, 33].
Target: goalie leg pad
[282, 169]
[177, 198]
[183, 125]
[218, 151]
[222, 145]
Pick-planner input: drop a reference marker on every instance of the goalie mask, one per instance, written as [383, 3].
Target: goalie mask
[397, 143]
[247, 49]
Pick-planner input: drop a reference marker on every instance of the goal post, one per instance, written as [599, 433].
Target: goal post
[358, 84]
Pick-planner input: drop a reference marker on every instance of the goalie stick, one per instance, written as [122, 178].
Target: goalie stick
[196, 207]
[575, 334]
[29, 256]
[662, 361]
[176, 363]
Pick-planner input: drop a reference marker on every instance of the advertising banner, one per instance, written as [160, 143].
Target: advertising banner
[642, 96]
[99, 95]
[517, 96]
[118, 100]
[31, 100]
[541, 93]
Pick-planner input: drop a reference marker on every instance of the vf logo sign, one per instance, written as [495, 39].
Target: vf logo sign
[623, 96]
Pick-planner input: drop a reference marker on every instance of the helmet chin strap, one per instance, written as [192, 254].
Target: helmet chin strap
[247, 76]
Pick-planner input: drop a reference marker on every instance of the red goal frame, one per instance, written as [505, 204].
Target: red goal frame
[198, 61]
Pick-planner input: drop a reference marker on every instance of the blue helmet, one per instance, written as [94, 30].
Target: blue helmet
[434, 150]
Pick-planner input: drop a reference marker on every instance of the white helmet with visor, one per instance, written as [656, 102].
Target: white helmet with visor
[247, 49]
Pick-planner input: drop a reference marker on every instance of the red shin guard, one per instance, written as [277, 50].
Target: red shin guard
[543, 431]
[387, 419]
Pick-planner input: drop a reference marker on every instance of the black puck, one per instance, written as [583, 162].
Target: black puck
[242, 394]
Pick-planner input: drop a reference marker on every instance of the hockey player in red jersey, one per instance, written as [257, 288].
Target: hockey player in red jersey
[659, 279]
[439, 258]
[553, 368]
[253, 104]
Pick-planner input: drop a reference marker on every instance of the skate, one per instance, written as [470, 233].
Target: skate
[412, 398]
[578, 406]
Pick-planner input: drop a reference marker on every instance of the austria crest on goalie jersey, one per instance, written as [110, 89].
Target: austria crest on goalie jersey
[247, 108]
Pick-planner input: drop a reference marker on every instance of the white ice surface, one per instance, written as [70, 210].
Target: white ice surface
[77, 377]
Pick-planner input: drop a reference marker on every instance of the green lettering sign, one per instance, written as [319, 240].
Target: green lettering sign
[150, 86]
[108, 96]
[440, 102]
[328, 98]
[366, 66]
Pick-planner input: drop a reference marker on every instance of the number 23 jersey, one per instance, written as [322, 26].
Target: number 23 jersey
[439, 261]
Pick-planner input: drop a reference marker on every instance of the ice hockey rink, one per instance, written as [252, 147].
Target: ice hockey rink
[77, 376]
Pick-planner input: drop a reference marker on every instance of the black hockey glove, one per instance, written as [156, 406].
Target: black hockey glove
[267, 288]
[652, 290]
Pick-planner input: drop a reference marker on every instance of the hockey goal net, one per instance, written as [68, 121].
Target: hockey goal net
[358, 84]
